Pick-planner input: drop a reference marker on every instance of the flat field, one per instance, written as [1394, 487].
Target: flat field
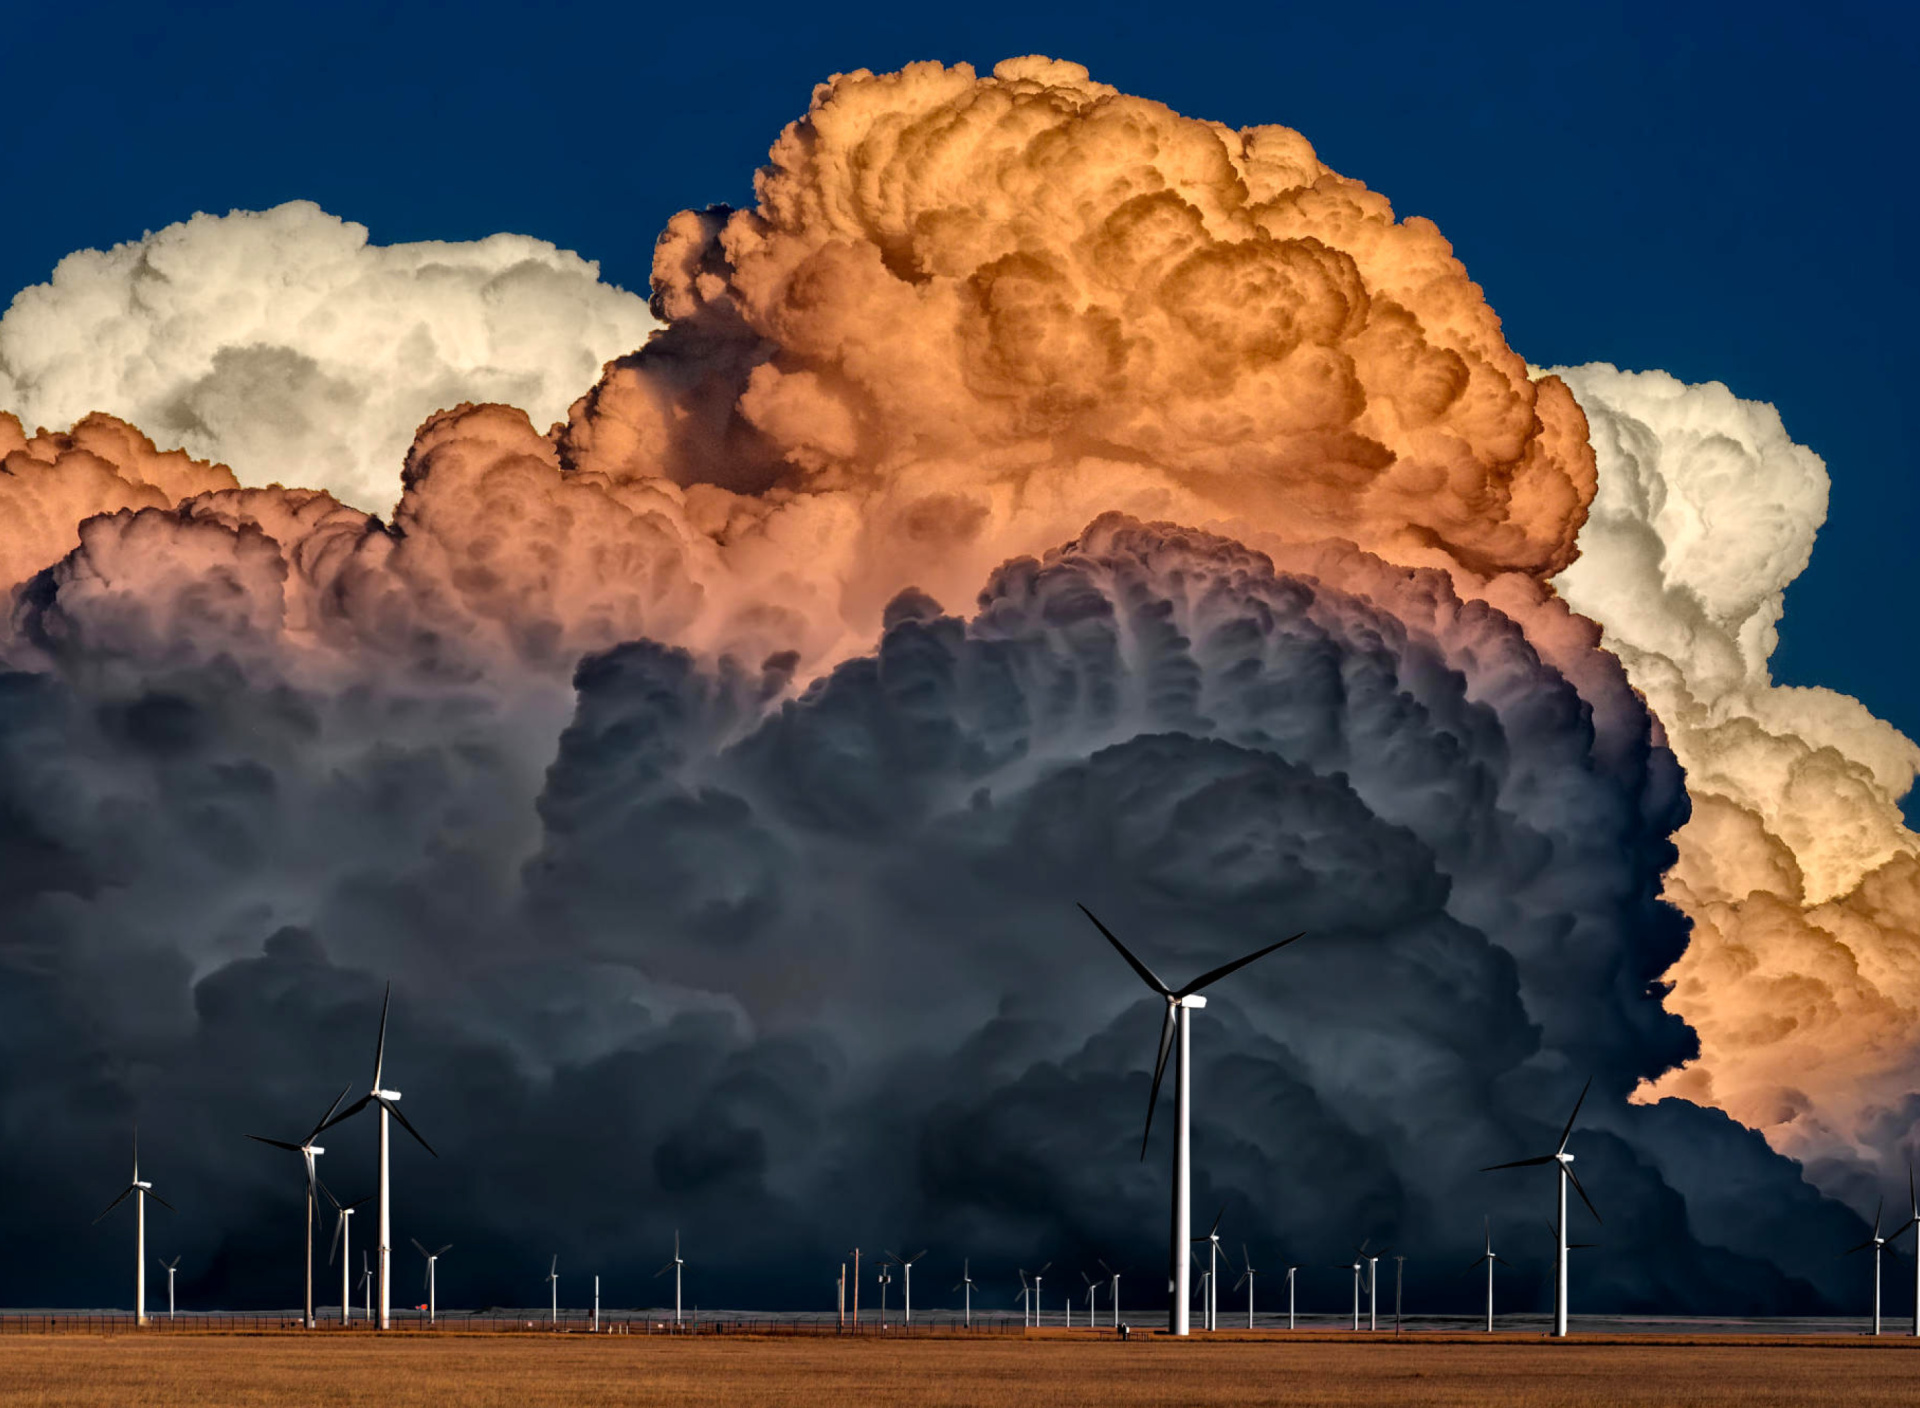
[530, 1371]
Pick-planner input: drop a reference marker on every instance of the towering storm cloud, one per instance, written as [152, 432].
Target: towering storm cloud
[1037, 497]
[282, 343]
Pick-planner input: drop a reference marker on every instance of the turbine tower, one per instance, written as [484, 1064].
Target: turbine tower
[675, 1265]
[885, 1278]
[1563, 1163]
[1093, 1290]
[1026, 1300]
[139, 1191]
[1488, 1258]
[433, 1300]
[389, 1103]
[1290, 1271]
[171, 1267]
[1373, 1285]
[906, 1273]
[1913, 1220]
[343, 1243]
[1113, 1296]
[308, 1152]
[1175, 1031]
[966, 1283]
[1876, 1242]
[1036, 1294]
[553, 1285]
[1246, 1279]
[1210, 1306]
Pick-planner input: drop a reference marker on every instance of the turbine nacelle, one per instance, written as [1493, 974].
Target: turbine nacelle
[386, 1094]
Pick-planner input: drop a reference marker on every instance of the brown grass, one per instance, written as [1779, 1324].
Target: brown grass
[530, 1371]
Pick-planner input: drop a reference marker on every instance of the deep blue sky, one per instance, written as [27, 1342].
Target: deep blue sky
[1727, 193]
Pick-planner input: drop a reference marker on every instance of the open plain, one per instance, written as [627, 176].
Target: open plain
[526, 1371]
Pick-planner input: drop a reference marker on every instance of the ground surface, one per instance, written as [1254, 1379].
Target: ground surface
[531, 1371]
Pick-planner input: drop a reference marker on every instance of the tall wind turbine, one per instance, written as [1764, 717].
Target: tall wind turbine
[1399, 1265]
[1876, 1241]
[1246, 1279]
[675, 1265]
[366, 1281]
[1290, 1272]
[1093, 1289]
[139, 1191]
[389, 1103]
[1373, 1286]
[343, 1243]
[1211, 1306]
[433, 1302]
[1913, 1220]
[885, 1278]
[308, 1152]
[1113, 1297]
[1174, 1030]
[171, 1267]
[906, 1273]
[553, 1284]
[1026, 1300]
[966, 1282]
[1037, 1302]
[1488, 1259]
[1359, 1265]
[1563, 1162]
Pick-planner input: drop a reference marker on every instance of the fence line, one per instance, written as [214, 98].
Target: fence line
[124, 1322]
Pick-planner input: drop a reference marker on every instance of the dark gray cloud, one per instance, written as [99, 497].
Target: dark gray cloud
[791, 974]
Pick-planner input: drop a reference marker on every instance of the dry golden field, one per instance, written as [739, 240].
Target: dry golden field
[528, 1371]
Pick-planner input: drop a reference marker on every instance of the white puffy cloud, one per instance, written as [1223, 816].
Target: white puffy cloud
[284, 344]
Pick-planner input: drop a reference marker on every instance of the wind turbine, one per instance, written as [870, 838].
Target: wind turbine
[1211, 1306]
[308, 1152]
[389, 1103]
[366, 1281]
[1290, 1271]
[1488, 1258]
[553, 1285]
[1180, 1003]
[139, 1191]
[433, 1303]
[1093, 1289]
[1026, 1300]
[906, 1271]
[677, 1262]
[1359, 1265]
[1876, 1241]
[1206, 1295]
[1563, 1162]
[1373, 1285]
[966, 1282]
[171, 1267]
[1246, 1279]
[343, 1243]
[1114, 1297]
[1913, 1220]
[1399, 1265]
[885, 1278]
[1037, 1303]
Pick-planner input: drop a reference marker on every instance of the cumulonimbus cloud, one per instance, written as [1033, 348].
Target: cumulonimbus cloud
[261, 744]
[286, 345]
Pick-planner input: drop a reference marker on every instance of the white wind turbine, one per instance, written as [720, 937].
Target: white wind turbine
[1563, 1162]
[906, 1273]
[1488, 1258]
[1113, 1297]
[885, 1279]
[1210, 1304]
[1093, 1289]
[1399, 1265]
[1037, 1303]
[1290, 1272]
[343, 1244]
[366, 1281]
[171, 1267]
[308, 1152]
[1026, 1300]
[389, 1103]
[966, 1283]
[1877, 1243]
[553, 1284]
[1359, 1265]
[674, 1266]
[433, 1299]
[1246, 1279]
[1373, 1285]
[139, 1191]
[1174, 1030]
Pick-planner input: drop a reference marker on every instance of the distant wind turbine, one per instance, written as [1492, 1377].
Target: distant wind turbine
[1359, 1265]
[1246, 1279]
[433, 1302]
[1563, 1162]
[1113, 1297]
[885, 1278]
[1210, 1308]
[1487, 1259]
[171, 1267]
[343, 1243]
[553, 1285]
[308, 1152]
[1174, 1030]
[1373, 1285]
[1037, 1302]
[1876, 1242]
[1290, 1273]
[966, 1283]
[139, 1191]
[366, 1281]
[1093, 1289]
[677, 1262]
[1913, 1220]
[906, 1273]
[1026, 1300]
[389, 1103]
[1399, 1265]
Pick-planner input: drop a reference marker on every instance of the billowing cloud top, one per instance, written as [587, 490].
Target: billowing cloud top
[282, 343]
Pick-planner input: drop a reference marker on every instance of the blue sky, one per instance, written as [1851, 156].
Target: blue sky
[1725, 192]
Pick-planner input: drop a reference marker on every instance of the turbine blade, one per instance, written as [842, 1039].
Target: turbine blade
[916, 1256]
[1146, 973]
[1218, 973]
[394, 1110]
[380, 1048]
[339, 1225]
[115, 1203]
[277, 1143]
[1159, 1071]
[1478, 1264]
[1521, 1163]
[355, 1108]
[1216, 1221]
[417, 1247]
[1567, 1133]
[1574, 1179]
[1848, 1252]
[444, 1250]
[329, 1114]
[1879, 1208]
[162, 1201]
